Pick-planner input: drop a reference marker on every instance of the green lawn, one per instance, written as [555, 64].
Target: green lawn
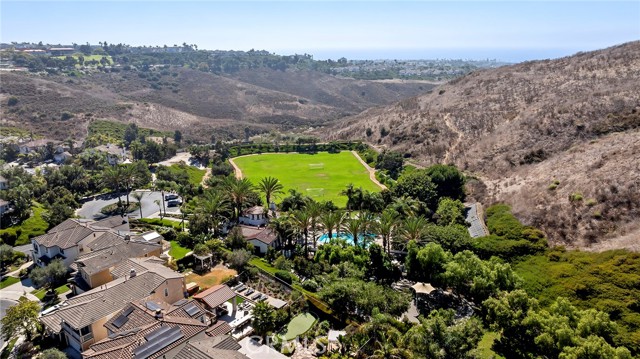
[88, 58]
[40, 293]
[484, 347]
[195, 174]
[177, 251]
[298, 326]
[322, 176]
[162, 222]
[7, 281]
[31, 227]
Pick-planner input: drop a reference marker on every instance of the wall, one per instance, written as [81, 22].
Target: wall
[176, 288]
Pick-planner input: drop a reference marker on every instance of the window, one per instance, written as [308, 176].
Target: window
[61, 251]
[166, 292]
[86, 330]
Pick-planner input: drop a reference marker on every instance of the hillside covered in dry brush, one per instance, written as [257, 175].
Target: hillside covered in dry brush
[559, 140]
[197, 103]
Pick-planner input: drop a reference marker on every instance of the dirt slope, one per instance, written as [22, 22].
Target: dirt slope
[519, 128]
[195, 102]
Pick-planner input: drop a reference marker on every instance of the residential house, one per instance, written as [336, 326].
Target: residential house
[5, 206]
[214, 298]
[260, 238]
[254, 216]
[74, 237]
[62, 51]
[35, 145]
[93, 269]
[62, 157]
[218, 347]
[80, 321]
[4, 183]
[115, 154]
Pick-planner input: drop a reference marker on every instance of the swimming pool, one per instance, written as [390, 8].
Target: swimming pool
[347, 237]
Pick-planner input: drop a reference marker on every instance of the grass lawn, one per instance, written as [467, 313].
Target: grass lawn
[31, 227]
[88, 58]
[321, 176]
[40, 293]
[484, 347]
[162, 222]
[195, 174]
[7, 281]
[177, 251]
[214, 277]
[298, 326]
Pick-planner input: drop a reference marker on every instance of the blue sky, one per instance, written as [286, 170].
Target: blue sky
[506, 30]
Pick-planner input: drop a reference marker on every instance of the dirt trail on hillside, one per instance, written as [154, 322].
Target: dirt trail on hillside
[372, 172]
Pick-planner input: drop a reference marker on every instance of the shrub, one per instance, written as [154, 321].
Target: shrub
[12, 101]
[284, 276]
[575, 197]
[591, 202]
[310, 285]
[66, 116]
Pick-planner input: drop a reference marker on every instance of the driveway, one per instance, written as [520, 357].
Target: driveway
[91, 209]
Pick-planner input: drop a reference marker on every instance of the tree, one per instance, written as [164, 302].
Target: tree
[235, 239]
[177, 136]
[216, 208]
[426, 264]
[355, 227]
[52, 353]
[380, 266]
[263, 319]
[385, 226]
[238, 259]
[450, 212]
[315, 210]
[21, 318]
[6, 255]
[130, 134]
[270, 186]
[417, 185]
[294, 201]
[50, 275]
[201, 249]
[301, 221]
[390, 161]
[58, 212]
[449, 181]
[443, 336]
[411, 229]
[330, 221]
[138, 197]
[239, 190]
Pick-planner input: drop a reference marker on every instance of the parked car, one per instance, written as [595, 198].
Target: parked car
[170, 196]
[249, 292]
[174, 203]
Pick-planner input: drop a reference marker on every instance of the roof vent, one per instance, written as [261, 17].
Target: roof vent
[132, 273]
[158, 313]
[127, 237]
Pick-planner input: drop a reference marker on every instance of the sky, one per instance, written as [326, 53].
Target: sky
[504, 30]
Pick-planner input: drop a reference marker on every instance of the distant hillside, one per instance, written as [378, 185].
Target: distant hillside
[197, 103]
[536, 133]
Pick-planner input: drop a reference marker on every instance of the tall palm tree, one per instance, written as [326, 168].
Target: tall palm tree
[386, 226]
[159, 207]
[270, 186]
[138, 197]
[239, 190]
[163, 186]
[349, 192]
[412, 228]
[301, 221]
[405, 206]
[315, 210]
[128, 179]
[354, 227]
[330, 221]
[283, 228]
[215, 206]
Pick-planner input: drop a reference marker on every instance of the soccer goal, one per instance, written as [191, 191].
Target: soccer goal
[315, 192]
[316, 166]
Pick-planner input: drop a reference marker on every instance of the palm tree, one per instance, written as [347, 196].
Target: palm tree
[301, 221]
[412, 229]
[163, 186]
[270, 186]
[138, 197]
[386, 226]
[157, 201]
[330, 221]
[314, 209]
[214, 206]
[349, 192]
[354, 227]
[405, 206]
[239, 190]
[283, 228]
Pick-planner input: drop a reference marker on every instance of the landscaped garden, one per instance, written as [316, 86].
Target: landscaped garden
[33, 226]
[322, 176]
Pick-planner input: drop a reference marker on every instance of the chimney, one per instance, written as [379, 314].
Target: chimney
[132, 273]
[158, 313]
[127, 238]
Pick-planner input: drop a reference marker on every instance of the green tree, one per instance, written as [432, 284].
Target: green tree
[235, 239]
[263, 319]
[270, 186]
[177, 136]
[239, 190]
[450, 212]
[449, 181]
[6, 255]
[390, 161]
[21, 318]
[49, 276]
[52, 353]
[301, 221]
[386, 226]
[238, 259]
[138, 197]
[418, 185]
[330, 221]
[411, 229]
[354, 227]
[216, 207]
[130, 134]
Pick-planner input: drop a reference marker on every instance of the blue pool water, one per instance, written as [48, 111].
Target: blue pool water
[346, 236]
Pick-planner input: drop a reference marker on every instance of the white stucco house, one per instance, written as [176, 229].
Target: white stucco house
[254, 216]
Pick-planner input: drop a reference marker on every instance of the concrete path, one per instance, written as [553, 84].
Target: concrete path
[17, 290]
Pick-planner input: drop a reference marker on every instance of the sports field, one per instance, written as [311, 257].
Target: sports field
[321, 176]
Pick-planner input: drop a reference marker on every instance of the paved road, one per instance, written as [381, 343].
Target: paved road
[91, 209]
[4, 304]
